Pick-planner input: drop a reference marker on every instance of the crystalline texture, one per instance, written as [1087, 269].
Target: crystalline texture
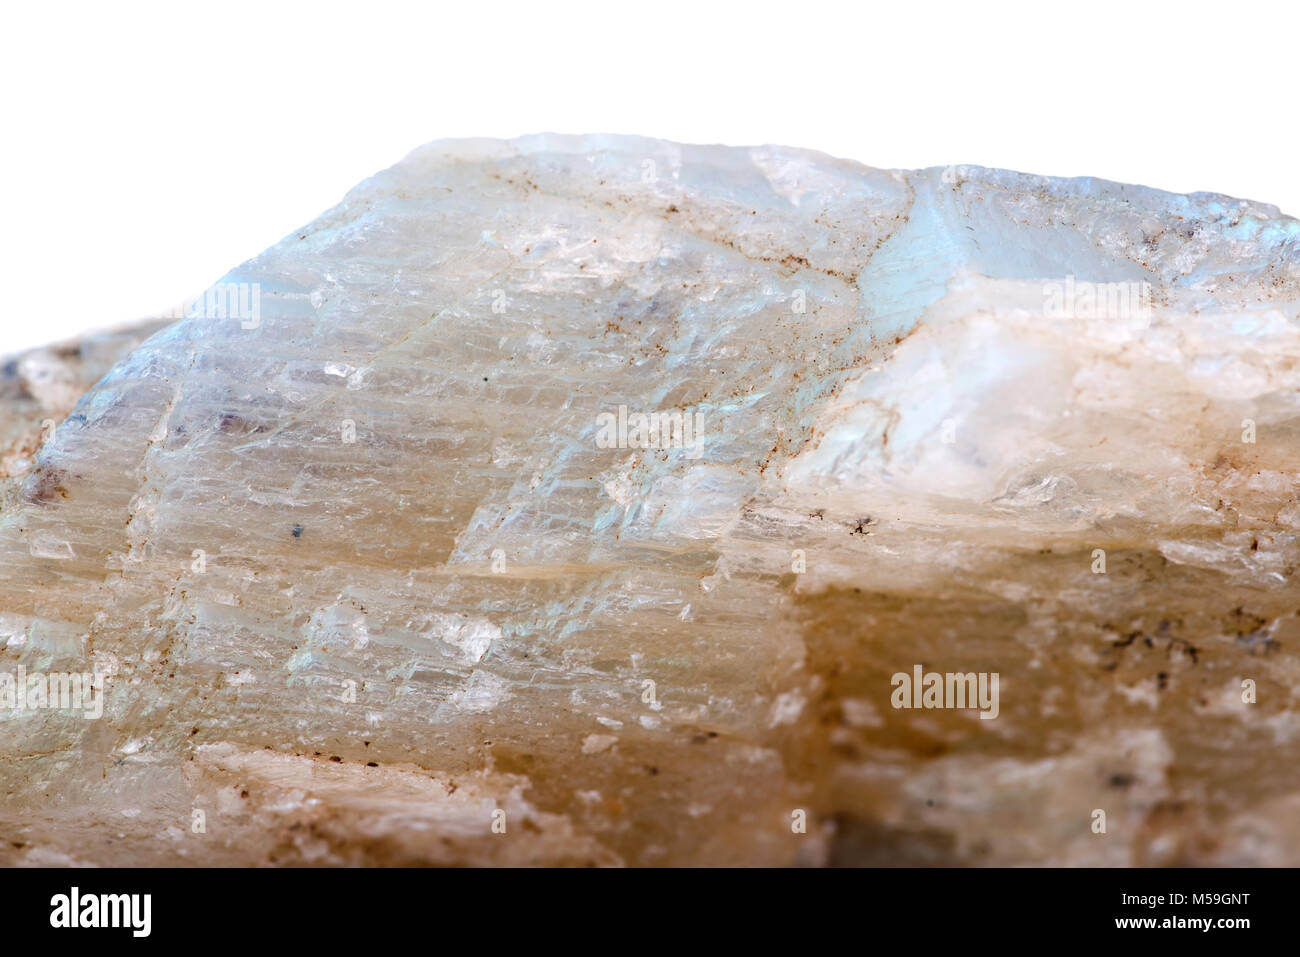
[371, 584]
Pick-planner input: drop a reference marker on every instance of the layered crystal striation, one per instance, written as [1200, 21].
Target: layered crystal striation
[578, 500]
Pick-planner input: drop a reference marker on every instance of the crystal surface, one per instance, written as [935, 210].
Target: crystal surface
[396, 549]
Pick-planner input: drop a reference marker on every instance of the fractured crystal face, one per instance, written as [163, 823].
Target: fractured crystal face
[579, 500]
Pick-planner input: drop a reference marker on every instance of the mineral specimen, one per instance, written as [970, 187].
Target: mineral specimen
[601, 500]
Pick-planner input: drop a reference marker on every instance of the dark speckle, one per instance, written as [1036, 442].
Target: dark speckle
[230, 423]
[45, 485]
[297, 531]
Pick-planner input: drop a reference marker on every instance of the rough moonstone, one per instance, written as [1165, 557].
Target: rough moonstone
[370, 586]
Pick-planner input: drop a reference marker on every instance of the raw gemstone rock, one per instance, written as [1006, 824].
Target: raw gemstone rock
[398, 548]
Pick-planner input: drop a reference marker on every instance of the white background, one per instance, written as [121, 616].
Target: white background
[150, 148]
